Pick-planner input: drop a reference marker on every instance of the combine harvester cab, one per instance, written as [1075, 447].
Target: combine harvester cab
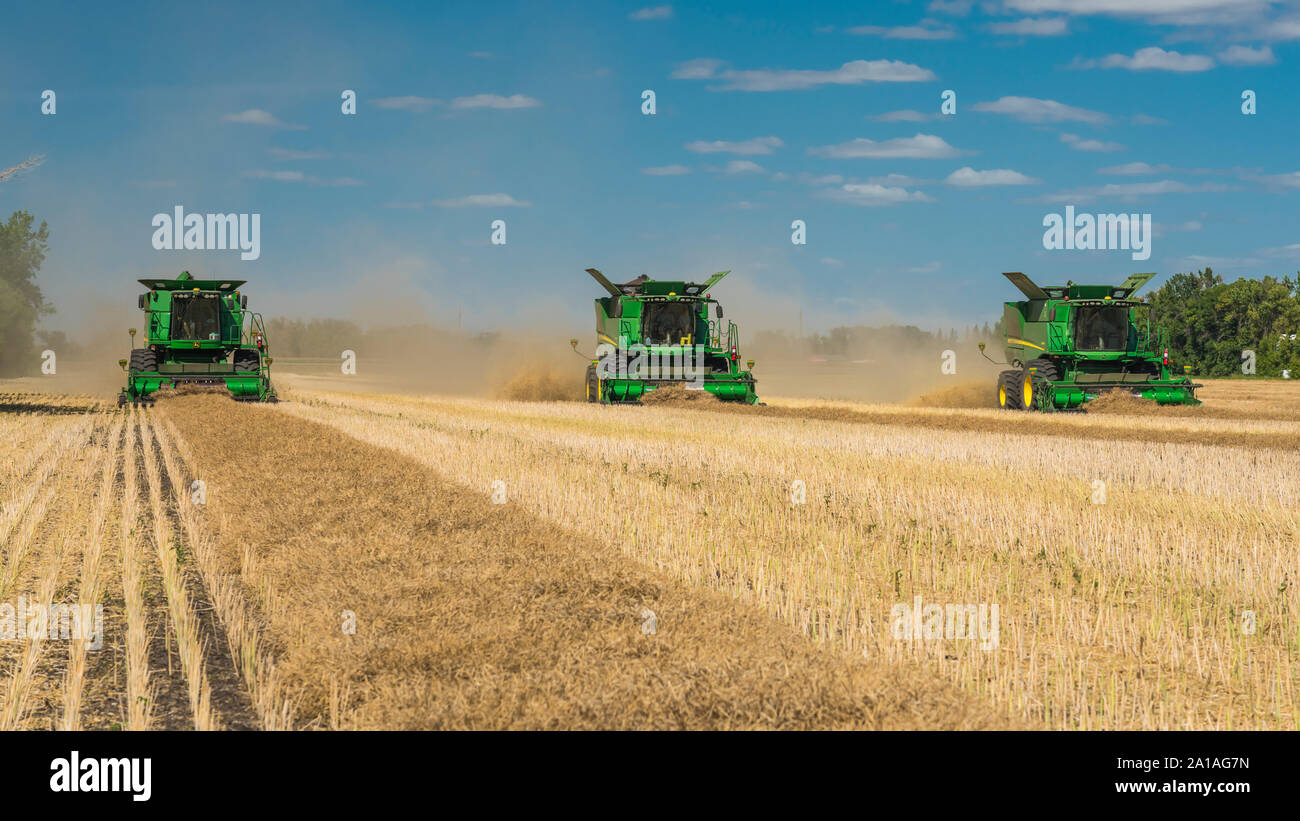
[1069, 344]
[654, 333]
[198, 332]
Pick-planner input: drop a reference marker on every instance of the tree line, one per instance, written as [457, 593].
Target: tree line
[1210, 323]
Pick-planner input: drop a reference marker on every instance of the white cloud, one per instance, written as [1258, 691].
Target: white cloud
[1247, 56]
[907, 115]
[256, 116]
[483, 201]
[1291, 180]
[957, 8]
[652, 13]
[1129, 191]
[1287, 29]
[894, 180]
[1135, 169]
[699, 69]
[1036, 110]
[1033, 27]
[666, 171]
[298, 176]
[921, 32]
[824, 179]
[1142, 189]
[922, 146]
[1291, 251]
[1151, 58]
[405, 103]
[1133, 8]
[1200, 20]
[874, 195]
[495, 101]
[1147, 119]
[970, 178]
[1080, 144]
[278, 176]
[291, 154]
[758, 145]
[855, 72]
[833, 262]
[740, 167]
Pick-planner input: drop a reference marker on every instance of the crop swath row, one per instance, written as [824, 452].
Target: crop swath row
[90, 519]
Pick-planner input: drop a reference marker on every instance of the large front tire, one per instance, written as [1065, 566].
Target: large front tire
[1034, 379]
[1009, 390]
[143, 360]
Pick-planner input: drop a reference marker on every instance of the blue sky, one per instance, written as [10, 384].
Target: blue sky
[766, 113]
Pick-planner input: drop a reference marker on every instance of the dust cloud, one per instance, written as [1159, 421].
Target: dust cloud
[531, 359]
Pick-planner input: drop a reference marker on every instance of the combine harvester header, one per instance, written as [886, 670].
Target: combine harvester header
[1070, 343]
[198, 332]
[664, 321]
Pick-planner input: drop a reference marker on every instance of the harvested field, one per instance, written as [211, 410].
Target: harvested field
[1127, 558]
[411, 561]
[328, 583]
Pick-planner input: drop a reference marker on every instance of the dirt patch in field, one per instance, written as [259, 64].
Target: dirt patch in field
[471, 614]
[965, 395]
[668, 395]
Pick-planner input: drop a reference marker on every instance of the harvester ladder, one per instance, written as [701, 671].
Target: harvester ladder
[715, 335]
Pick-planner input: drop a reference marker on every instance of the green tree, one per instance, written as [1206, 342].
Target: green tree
[22, 251]
[1209, 322]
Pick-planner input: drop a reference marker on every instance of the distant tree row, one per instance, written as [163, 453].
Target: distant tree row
[867, 342]
[311, 337]
[316, 338]
[1210, 323]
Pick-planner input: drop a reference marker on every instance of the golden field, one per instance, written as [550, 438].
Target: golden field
[365, 560]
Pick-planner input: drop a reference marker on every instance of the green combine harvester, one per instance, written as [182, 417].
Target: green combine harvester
[653, 333]
[198, 332]
[1069, 344]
